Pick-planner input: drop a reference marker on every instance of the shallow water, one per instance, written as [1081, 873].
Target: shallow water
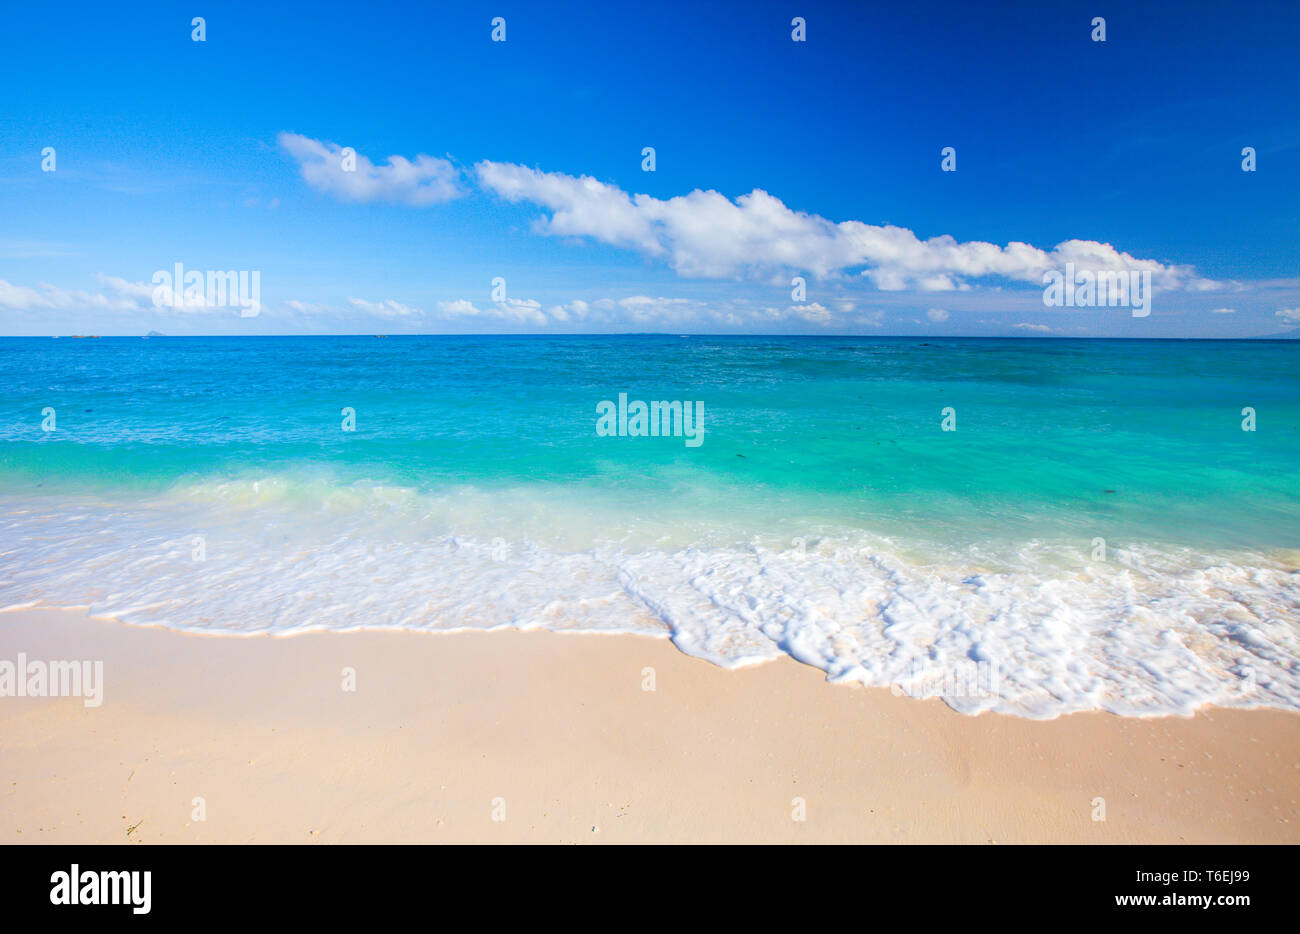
[208, 484]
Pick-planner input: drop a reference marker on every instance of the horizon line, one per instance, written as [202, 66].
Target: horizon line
[1285, 336]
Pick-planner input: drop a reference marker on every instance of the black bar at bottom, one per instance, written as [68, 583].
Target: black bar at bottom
[375, 883]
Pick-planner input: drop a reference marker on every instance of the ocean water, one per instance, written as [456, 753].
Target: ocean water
[1098, 531]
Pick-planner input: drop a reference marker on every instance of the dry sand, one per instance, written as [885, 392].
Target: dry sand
[559, 726]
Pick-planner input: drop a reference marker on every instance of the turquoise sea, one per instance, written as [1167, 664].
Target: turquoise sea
[1097, 532]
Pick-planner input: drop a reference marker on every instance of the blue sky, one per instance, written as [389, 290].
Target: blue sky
[774, 159]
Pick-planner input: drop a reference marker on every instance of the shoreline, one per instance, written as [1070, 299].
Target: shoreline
[442, 735]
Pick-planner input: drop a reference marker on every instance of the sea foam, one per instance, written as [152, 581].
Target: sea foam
[1036, 629]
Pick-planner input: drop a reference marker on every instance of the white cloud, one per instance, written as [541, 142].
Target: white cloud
[306, 308]
[427, 180]
[1289, 315]
[21, 297]
[937, 314]
[118, 295]
[814, 312]
[458, 308]
[1223, 311]
[705, 234]
[1038, 328]
[385, 309]
[510, 311]
[644, 312]
[581, 207]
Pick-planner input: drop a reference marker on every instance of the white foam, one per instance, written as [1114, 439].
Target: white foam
[1036, 631]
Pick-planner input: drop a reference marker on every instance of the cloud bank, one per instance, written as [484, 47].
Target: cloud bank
[704, 234]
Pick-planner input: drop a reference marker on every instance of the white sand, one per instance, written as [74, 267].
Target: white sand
[560, 728]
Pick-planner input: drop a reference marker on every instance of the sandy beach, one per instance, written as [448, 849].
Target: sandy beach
[446, 734]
